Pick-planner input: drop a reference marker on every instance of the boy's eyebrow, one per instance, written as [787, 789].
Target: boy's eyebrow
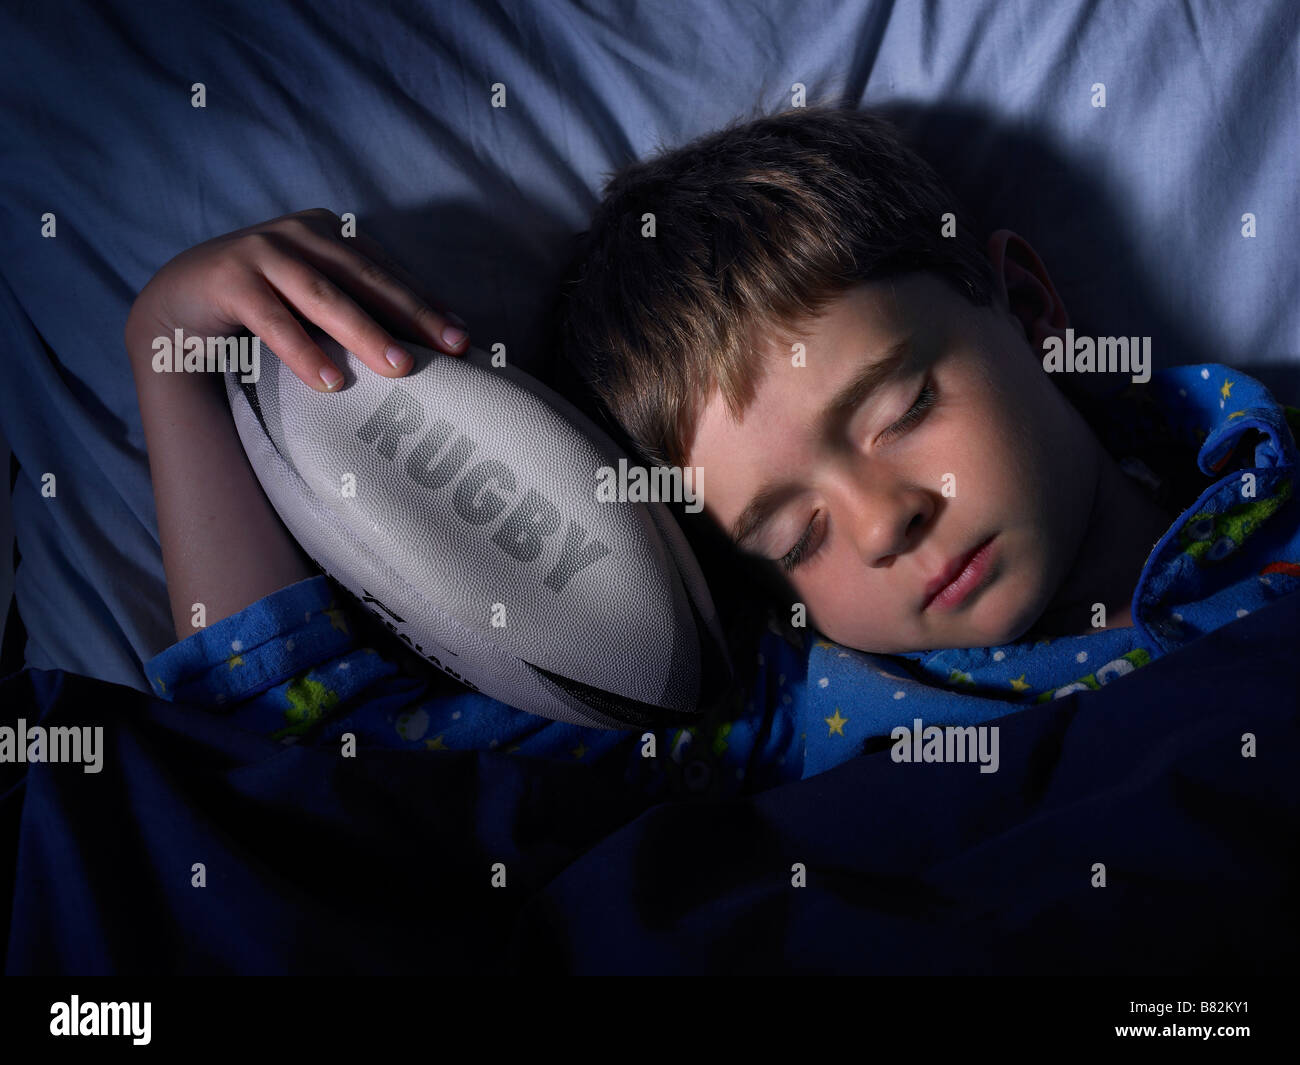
[846, 401]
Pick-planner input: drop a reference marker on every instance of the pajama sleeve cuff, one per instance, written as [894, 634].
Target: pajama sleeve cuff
[265, 644]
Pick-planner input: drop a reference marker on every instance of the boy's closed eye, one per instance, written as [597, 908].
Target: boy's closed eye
[807, 547]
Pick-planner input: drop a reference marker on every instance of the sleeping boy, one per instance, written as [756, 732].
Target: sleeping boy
[864, 386]
[795, 305]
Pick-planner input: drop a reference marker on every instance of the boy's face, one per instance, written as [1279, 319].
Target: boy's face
[895, 499]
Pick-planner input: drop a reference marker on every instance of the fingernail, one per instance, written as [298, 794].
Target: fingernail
[452, 337]
[331, 377]
[455, 319]
[396, 357]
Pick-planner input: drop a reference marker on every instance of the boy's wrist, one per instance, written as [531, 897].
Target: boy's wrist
[141, 336]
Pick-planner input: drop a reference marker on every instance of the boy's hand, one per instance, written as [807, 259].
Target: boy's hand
[223, 545]
[256, 278]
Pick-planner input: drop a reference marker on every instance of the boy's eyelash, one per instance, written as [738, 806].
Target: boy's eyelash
[792, 560]
[922, 404]
[795, 555]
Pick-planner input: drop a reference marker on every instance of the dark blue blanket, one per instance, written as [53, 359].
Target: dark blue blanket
[315, 864]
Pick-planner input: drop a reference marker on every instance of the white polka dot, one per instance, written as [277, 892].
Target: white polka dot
[1205, 375]
[899, 695]
[1177, 617]
[1182, 392]
[288, 644]
[414, 725]
[493, 743]
[780, 679]
[823, 682]
[843, 654]
[1082, 656]
[236, 645]
[786, 699]
[1242, 613]
[998, 656]
[455, 715]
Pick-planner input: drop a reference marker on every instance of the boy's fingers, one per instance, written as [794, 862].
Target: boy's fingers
[264, 314]
[321, 301]
[402, 305]
[374, 251]
[360, 266]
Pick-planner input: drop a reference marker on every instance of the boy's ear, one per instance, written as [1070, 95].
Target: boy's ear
[1024, 288]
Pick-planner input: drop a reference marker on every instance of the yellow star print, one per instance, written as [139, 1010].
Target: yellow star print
[1226, 390]
[836, 723]
[826, 644]
[1236, 414]
[579, 751]
[336, 619]
[435, 745]
[235, 660]
[1019, 683]
[309, 701]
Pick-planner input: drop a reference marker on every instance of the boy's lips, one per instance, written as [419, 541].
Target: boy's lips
[956, 580]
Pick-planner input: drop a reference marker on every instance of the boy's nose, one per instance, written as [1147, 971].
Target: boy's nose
[885, 519]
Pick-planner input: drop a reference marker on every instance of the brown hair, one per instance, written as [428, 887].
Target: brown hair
[757, 227]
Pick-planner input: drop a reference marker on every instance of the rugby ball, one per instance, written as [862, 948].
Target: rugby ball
[459, 505]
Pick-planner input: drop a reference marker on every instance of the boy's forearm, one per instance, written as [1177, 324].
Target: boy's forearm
[223, 545]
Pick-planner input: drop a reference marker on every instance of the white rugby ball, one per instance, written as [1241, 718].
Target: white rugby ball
[459, 505]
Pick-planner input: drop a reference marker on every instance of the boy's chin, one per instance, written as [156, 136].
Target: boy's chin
[1002, 633]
